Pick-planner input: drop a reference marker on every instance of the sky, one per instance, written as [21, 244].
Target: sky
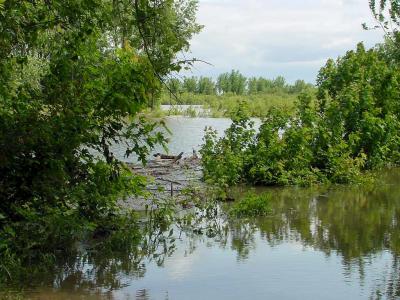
[268, 38]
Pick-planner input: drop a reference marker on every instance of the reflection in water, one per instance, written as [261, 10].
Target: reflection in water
[142, 295]
[359, 224]
[341, 238]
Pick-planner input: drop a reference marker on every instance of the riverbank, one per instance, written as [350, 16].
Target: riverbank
[214, 106]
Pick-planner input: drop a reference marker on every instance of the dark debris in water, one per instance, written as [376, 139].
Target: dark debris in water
[167, 178]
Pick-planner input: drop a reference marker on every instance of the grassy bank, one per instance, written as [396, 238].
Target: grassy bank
[224, 105]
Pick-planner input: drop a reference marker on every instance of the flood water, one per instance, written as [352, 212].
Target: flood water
[186, 134]
[336, 242]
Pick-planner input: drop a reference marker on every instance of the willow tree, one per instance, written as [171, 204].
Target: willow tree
[72, 73]
[387, 13]
[233, 82]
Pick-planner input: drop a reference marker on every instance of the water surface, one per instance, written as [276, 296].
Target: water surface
[325, 243]
[186, 134]
[322, 243]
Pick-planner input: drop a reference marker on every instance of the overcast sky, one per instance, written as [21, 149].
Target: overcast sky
[268, 38]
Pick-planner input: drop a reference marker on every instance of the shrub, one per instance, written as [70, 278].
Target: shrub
[252, 205]
[353, 126]
[225, 160]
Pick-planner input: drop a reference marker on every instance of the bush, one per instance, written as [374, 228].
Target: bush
[353, 126]
[225, 160]
[252, 205]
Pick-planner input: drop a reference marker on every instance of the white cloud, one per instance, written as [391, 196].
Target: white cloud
[278, 37]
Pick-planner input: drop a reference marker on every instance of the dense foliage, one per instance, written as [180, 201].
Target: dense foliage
[72, 74]
[252, 205]
[222, 97]
[225, 105]
[234, 83]
[353, 126]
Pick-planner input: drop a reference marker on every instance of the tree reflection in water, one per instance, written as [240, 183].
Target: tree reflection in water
[355, 223]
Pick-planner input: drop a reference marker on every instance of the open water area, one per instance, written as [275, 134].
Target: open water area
[337, 242]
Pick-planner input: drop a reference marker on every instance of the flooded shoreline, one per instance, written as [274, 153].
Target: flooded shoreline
[317, 240]
[337, 242]
[167, 178]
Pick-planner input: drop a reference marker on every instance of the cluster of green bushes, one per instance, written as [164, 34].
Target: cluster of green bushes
[352, 126]
[257, 105]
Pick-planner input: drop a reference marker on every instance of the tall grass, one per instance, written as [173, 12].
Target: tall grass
[223, 105]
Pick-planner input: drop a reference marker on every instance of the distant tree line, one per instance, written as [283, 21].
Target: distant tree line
[234, 83]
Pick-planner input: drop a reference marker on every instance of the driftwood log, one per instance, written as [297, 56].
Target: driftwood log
[165, 156]
[168, 176]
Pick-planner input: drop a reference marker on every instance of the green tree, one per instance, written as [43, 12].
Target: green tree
[190, 84]
[279, 83]
[353, 126]
[175, 86]
[72, 74]
[252, 86]
[387, 14]
[232, 82]
[298, 87]
[359, 97]
[224, 84]
[238, 82]
[205, 86]
[263, 84]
